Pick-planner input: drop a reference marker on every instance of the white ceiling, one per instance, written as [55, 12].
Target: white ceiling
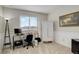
[35, 8]
[41, 8]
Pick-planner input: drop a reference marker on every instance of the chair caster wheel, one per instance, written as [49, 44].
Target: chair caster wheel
[27, 48]
[23, 46]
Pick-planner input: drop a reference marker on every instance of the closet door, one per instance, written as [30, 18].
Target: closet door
[47, 31]
[50, 30]
[44, 30]
[1, 27]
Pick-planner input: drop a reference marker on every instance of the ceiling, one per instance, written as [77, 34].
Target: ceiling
[41, 8]
[35, 8]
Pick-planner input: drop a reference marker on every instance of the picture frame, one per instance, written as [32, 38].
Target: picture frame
[71, 19]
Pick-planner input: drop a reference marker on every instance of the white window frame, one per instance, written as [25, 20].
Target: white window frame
[27, 27]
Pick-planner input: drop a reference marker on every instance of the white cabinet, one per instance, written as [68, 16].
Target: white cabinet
[47, 31]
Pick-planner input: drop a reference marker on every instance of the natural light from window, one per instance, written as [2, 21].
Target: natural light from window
[28, 21]
[33, 21]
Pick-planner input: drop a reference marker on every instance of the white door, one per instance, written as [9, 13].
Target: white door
[50, 30]
[44, 31]
[47, 31]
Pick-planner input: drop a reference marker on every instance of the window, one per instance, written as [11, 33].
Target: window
[24, 21]
[33, 21]
[28, 21]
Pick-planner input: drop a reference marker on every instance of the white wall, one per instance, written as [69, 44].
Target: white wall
[63, 35]
[0, 27]
[1, 18]
[14, 21]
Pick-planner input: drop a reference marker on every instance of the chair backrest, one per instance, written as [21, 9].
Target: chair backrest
[29, 38]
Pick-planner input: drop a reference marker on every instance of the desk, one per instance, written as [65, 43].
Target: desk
[17, 42]
[21, 41]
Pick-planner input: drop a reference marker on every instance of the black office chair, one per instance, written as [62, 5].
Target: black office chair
[29, 39]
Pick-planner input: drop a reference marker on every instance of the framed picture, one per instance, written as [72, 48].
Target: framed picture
[71, 19]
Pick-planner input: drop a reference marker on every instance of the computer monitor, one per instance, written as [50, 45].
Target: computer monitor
[17, 30]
